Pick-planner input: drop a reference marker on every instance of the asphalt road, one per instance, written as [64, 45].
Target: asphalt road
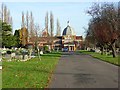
[76, 70]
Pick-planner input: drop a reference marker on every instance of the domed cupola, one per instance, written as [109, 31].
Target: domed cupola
[69, 30]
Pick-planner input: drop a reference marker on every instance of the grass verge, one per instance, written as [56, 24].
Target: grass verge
[30, 74]
[106, 58]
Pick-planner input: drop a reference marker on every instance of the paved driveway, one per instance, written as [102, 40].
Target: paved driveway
[77, 70]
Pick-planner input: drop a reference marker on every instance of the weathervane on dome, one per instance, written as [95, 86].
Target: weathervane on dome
[68, 23]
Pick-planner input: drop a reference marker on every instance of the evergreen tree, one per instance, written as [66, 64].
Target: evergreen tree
[8, 40]
[17, 36]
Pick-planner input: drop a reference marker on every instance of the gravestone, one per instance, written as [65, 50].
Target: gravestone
[26, 57]
[41, 52]
[13, 55]
[20, 57]
[8, 56]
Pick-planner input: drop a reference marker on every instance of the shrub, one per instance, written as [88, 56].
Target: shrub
[45, 48]
[8, 52]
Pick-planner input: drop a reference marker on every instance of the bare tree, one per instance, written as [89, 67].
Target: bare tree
[27, 20]
[37, 30]
[23, 20]
[32, 33]
[5, 13]
[90, 39]
[104, 25]
[8, 16]
[51, 24]
[46, 22]
[2, 12]
[11, 22]
[58, 32]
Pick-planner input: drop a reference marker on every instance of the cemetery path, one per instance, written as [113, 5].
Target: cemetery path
[76, 70]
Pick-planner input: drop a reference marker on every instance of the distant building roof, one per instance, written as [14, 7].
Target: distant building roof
[79, 37]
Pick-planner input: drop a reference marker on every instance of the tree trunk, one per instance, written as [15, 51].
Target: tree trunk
[106, 52]
[102, 50]
[30, 53]
[113, 50]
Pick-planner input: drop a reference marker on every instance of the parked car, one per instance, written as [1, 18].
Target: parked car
[65, 49]
[91, 50]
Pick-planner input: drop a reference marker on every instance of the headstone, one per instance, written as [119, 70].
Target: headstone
[24, 53]
[41, 52]
[4, 48]
[97, 50]
[20, 57]
[13, 55]
[0, 59]
[8, 57]
[26, 57]
[30, 53]
[88, 49]
[0, 67]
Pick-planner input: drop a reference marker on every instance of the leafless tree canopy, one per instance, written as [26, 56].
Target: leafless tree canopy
[5, 15]
[51, 24]
[58, 32]
[103, 27]
[46, 22]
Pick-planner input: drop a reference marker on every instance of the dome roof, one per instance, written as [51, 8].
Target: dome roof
[69, 31]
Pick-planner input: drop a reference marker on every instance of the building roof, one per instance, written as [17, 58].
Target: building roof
[69, 31]
[43, 39]
[79, 38]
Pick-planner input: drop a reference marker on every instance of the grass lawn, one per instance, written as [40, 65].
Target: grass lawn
[107, 58]
[0, 79]
[30, 74]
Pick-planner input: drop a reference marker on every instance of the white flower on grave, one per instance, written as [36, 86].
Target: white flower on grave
[16, 75]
